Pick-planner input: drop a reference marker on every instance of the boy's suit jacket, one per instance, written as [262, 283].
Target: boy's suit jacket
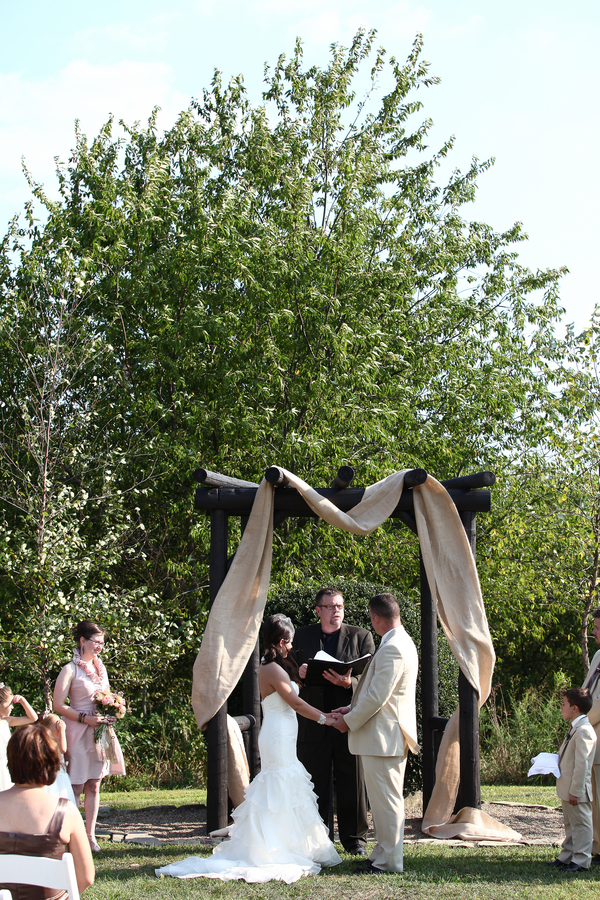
[383, 718]
[576, 760]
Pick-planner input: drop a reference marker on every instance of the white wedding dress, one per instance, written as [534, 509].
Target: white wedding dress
[277, 833]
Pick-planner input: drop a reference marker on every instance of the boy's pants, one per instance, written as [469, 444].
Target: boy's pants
[579, 832]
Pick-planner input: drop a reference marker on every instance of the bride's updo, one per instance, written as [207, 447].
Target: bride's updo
[275, 629]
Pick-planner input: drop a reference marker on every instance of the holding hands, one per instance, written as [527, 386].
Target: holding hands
[338, 718]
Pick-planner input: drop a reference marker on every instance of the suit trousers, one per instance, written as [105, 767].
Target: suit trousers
[384, 777]
[348, 783]
[596, 808]
[579, 829]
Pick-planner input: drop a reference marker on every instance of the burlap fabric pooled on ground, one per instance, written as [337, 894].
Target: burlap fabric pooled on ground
[235, 618]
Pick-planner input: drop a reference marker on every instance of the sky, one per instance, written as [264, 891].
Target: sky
[519, 82]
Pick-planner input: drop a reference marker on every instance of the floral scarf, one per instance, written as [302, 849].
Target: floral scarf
[99, 675]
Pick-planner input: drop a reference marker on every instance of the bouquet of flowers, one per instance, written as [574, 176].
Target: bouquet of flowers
[108, 703]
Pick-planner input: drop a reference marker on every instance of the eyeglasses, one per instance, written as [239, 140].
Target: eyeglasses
[96, 643]
[336, 606]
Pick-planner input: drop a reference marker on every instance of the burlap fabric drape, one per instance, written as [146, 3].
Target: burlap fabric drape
[235, 618]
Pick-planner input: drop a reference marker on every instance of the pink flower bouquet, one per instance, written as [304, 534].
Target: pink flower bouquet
[108, 703]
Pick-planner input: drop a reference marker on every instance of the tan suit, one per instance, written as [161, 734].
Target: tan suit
[576, 758]
[592, 683]
[383, 726]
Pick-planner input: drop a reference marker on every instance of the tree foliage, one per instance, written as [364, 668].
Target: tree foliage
[284, 282]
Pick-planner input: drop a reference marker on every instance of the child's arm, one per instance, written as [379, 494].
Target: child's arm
[61, 735]
[30, 714]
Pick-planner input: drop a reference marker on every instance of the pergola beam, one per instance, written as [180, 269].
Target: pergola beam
[239, 501]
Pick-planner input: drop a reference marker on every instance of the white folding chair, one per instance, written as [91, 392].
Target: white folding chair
[58, 874]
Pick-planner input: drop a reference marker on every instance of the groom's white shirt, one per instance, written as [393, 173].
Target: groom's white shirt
[382, 718]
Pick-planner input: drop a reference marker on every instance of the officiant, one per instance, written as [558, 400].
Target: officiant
[319, 748]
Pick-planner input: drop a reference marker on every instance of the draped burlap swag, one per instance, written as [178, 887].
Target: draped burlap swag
[234, 622]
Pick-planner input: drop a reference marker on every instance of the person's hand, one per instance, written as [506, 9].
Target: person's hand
[340, 724]
[332, 676]
[93, 720]
[573, 800]
[341, 710]
[330, 719]
[303, 670]
[60, 726]
[17, 698]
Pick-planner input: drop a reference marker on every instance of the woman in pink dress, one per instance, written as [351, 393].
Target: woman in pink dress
[78, 681]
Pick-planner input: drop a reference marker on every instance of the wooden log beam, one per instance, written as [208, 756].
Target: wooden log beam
[238, 501]
[414, 477]
[274, 475]
[471, 482]
[344, 477]
[215, 479]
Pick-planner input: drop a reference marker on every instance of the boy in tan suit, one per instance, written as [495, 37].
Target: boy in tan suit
[574, 787]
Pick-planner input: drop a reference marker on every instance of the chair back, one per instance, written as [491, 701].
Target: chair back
[58, 874]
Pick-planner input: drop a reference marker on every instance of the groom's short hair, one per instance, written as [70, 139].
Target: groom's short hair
[385, 606]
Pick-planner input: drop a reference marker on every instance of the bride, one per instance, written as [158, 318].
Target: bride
[277, 833]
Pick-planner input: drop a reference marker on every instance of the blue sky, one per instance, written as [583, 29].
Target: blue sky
[520, 82]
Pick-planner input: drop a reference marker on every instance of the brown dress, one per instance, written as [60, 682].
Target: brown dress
[48, 844]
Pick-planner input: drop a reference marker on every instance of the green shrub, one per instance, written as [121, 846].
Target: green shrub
[513, 732]
[164, 749]
[299, 604]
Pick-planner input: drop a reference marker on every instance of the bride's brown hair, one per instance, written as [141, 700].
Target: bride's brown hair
[275, 629]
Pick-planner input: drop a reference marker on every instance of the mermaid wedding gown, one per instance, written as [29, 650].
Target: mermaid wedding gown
[277, 833]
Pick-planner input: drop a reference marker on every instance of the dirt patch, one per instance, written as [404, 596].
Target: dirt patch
[536, 824]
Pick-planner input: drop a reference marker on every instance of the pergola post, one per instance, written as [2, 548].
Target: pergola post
[469, 791]
[429, 684]
[216, 732]
[251, 696]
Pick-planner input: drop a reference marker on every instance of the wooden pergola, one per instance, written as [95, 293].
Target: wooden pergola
[222, 497]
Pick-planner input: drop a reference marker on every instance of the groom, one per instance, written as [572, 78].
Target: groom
[382, 722]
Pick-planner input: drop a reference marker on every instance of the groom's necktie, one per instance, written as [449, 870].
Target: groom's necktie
[593, 680]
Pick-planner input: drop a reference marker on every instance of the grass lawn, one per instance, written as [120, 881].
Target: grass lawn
[126, 872]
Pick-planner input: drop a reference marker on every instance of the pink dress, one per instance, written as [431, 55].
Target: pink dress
[86, 759]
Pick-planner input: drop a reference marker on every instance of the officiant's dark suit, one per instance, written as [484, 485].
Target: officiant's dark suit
[319, 746]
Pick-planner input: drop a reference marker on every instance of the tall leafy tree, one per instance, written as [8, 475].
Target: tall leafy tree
[290, 282]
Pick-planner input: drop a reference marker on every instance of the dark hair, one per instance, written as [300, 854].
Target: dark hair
[385, 606]
[596, 614]
[87, 629]
[579, 697]
[275, 629]
[33, 756]
[326, 592]
[5, 693]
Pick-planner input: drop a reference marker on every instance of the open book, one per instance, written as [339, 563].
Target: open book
[323, 661]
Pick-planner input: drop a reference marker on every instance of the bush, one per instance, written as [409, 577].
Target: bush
[164, 749]
[299, 604]
[513, 733]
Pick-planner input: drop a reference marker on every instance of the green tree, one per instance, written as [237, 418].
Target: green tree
[66, 525]
[289, 282]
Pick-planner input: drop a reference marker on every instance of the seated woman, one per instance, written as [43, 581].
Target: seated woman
[34, 823]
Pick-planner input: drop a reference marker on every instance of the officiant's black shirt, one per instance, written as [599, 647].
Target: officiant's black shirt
[329, 644]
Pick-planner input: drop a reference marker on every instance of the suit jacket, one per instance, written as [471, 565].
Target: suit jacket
[353, 642]
[593, 684]
[576, 761]
[383, 716]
